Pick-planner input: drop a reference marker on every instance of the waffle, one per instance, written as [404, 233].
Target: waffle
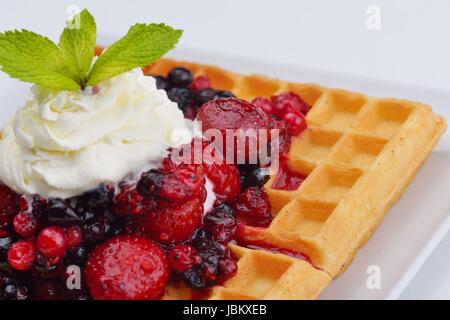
[359, 153]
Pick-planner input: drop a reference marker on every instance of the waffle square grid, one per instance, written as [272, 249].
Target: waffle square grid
[359, 153]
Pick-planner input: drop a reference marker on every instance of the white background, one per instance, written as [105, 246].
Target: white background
[412, 47]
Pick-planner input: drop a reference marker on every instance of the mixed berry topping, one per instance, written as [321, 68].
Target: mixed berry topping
[130, 239]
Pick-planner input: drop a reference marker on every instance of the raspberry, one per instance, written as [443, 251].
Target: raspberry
[25, 224]
[225, 179]
[289, 102]
[265, 104]
[127, 268]
[220, 222]
[200, 83]
[52, 242]
[296, 122]
[172, 224]
[182, 258]
[9, 205]
[21, 255]
[74, 236]
[253, 207]
[284, 138]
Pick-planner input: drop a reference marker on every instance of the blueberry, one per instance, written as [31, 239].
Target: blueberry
[182, 96]
[180, 77]
[61, 213]
[193, 278]
[162, 83]
[224, 94]
[204, 95]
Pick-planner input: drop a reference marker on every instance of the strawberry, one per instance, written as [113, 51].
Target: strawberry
[177, 186]
[127, 268]
[170, 224]
[287, 102]
[237, 120]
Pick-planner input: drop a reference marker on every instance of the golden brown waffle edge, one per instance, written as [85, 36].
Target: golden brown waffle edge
[359, 153]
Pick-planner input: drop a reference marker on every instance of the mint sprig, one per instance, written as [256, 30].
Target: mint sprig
[77, 43]
[30, 57]
[142, 45]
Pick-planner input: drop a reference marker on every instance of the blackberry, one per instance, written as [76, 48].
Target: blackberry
[180, 77]
[5, 242]
[150, 184]
[39, 206]
[61, 213]
[205, 95]
[162, 83]
[97, 200]
[13, 289]
[182, 96]
[253, 176]
[76, 256]
[101, 227]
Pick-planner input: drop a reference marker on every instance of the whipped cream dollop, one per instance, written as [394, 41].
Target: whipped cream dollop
[61, 144]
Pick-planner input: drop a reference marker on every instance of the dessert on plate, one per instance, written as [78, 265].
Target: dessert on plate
[129, 176]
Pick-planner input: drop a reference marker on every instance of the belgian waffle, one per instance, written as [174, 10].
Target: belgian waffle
[359, 153]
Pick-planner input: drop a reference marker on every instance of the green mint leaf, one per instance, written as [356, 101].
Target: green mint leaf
[142, 45]
[30, 57]
[77, 43]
